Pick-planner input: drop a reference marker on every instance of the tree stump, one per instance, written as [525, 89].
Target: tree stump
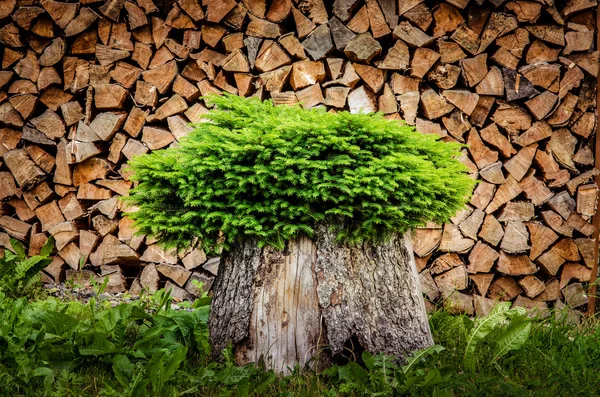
[302, 305]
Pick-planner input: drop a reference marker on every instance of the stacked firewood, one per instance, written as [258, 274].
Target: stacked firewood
[86, 86]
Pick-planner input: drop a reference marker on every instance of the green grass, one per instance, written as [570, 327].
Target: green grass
[556, 360]
[121, 352]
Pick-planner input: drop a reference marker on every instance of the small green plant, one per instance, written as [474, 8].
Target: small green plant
[97, 287]
[265, 172]
[512, 328]
[18, 273]
[381, 376]
[143, 343]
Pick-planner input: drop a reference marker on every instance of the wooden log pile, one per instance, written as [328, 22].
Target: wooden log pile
[86, 86]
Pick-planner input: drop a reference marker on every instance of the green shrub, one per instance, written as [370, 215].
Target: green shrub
[271, 172]
[18, 274]
[140, 345]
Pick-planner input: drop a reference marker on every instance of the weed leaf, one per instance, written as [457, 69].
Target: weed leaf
[516, 335]
[482, 328]
[418, 355]
[123, 369]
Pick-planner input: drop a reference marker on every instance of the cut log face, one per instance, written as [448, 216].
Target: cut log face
[563, 204]
[587, 200]
[482, 258]
[506, 192]
[319, 297]
[519, 164]
[445, 263]
[430, 289]
[470, 226]
[532, 286]
[492, 83]
[397, 58]
[480, 153]
[515, 265]
[474, 69]
[363, 48]
[575, 295]
[464, 100]
[535, 309]
[483, 194]
[24, 170]
[517, 211]
[453, 241]
[515, 238]
[453, 280]
[504, 289]
[412, 35]
[424, 241]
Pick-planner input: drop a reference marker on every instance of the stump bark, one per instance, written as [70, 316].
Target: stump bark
[303, 305]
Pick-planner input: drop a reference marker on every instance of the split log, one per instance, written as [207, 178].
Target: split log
[532, 286]
[474, 69]
[504, 194]
[518, 165]
[483, 194]
[363, 48]
[429, 287]
[541, 105]
[515, 238]
[586, 250]
[512, 118]
[482, 283]
[492, 83]
[453, 280]
[575, 295]
[411, 35]
[504, 289]
[24, 170]
[453, 241]
[470, 226]
[517, 211]
[539, 131]
[556, 223]
[563, 204]
[434, 105]
[515, 265]
[517, 86]
[574, 271]
[491, 230]
[482, 258]
[535, 190]
[444, 263]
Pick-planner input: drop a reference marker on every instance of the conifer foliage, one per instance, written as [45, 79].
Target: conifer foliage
[271, 172]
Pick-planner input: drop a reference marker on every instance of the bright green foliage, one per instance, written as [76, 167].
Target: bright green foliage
[270, 173]
[19, 273]
[512, 336]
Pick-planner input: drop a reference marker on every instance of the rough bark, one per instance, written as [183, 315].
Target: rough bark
[304, 304]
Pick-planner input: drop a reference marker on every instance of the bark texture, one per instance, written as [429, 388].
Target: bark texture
[233, 296]
[286, 308]
[373, 293]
